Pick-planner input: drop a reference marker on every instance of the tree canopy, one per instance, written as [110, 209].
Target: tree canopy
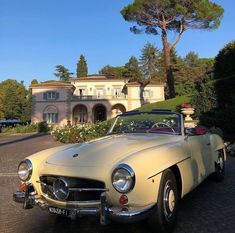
[34, 81]
[63, 73]
[116, 71]
[225, 62]
[161, 16]
[132, 70]
[14, 101]
[150, 61]
[82, 69]
[225, 77]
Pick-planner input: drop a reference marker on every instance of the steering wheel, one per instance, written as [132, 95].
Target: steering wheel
[162, 124]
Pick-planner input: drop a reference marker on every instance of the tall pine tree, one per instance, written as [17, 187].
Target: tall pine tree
[82, 69]
[150, 61]
[159, 17]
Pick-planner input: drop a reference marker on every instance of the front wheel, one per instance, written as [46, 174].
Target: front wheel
[164, 218]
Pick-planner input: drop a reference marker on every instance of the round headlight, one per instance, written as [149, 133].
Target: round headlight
[123, 178]
[25, 170]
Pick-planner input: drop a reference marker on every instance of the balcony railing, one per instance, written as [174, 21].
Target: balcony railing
[98, 97]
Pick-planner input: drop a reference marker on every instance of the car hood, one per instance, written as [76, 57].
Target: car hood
[107, 150]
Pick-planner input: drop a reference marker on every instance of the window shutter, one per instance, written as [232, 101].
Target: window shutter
[44, 117]
[56, 118]
[45, 96]
[57, 95]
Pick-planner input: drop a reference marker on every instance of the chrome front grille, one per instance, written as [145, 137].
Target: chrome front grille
[80, 189]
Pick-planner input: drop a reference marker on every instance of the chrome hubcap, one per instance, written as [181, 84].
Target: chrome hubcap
[220, 163]
[168, 200]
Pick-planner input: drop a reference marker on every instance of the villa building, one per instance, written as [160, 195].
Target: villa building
[90, 99]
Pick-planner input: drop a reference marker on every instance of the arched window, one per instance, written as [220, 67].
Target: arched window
[50, 115]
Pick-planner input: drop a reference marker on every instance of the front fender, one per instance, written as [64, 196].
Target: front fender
[148, 166]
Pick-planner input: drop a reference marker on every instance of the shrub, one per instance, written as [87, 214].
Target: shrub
[29, 128]
[43, 127]
[81, 133]
[222, 118]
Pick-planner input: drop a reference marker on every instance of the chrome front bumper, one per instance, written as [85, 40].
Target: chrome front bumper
[104, 211]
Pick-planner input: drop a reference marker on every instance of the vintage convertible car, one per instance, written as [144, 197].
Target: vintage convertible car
[140, 170]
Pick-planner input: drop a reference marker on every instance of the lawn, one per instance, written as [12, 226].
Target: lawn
[172, 104]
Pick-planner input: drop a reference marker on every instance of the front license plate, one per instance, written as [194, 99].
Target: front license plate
[59, 211]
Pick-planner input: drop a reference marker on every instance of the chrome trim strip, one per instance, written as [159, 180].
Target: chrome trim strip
[131, 215]
[40, 182]
[87, 189]
[171, 166]
[78, 189]
[103, 209]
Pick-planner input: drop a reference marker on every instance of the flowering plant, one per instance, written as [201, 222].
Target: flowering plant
[81, 132]
[186, 105]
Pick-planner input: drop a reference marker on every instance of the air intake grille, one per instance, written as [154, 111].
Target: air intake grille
[79, 189]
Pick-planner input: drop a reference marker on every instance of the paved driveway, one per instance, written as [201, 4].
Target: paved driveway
[208, 209]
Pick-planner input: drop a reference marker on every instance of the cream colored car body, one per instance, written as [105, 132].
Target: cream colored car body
[148, 155]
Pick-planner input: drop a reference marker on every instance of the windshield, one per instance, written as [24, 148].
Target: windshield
[147, 122]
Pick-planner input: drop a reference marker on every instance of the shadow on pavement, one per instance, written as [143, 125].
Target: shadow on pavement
[21, 139]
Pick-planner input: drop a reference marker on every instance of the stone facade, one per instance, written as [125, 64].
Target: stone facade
[90, 99]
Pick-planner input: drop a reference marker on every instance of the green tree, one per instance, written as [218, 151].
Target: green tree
[184, 84]
[150, 61]
[225, 62]
[133, 70]
[196, 67]
[82, 69]
[191, 59]
[63, 73]
[207, 64]
[162, 16]
[34, 81]
[225, 75]
[15, 100]
[116, 71]
[204, 98]
[1, 103]
[188, 71]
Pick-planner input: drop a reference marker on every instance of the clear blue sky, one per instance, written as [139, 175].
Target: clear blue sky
[35, 36]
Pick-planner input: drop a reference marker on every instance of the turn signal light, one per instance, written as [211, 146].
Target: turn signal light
[123, 200]
[23, 186]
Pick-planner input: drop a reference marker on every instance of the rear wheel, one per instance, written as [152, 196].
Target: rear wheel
[219, 167]
[163, 219]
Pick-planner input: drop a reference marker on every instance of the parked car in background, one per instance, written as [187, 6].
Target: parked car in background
[9, 122]
[140, 170]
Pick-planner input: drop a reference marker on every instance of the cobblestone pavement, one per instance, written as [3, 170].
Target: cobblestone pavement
[210, 208]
